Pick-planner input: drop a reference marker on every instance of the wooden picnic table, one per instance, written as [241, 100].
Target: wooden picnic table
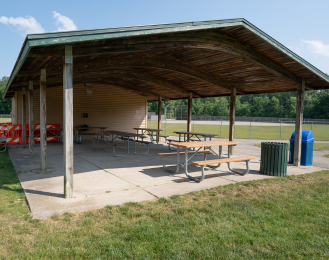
[150, 132]
[208, 145]
[191, 134]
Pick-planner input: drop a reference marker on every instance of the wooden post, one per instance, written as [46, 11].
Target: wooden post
[24, 117]
[31, 120]
[232, 117]
[68, 121]
[159, 117]
[299, 123]
[189, 115]
[43, 120]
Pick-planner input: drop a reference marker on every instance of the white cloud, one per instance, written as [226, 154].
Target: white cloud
[317, 47]
[66, 23]
[28, 24]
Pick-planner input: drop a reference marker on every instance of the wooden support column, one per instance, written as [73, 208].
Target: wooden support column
[159, 117]
[43, 120]
[24, 117]
[189, 115]
[31, 119]
[68, 121]
[299, 123]
[232, 117]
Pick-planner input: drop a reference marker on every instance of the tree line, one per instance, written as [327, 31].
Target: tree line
[5, 104]
[316, 105]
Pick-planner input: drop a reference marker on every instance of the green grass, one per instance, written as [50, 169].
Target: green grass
[5, 120]
[326, 155]
[316, 147]
[320, 132]
[281, 218]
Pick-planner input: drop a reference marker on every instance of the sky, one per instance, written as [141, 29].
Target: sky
[300, 25]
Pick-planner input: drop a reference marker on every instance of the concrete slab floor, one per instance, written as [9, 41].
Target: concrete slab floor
[101, 179]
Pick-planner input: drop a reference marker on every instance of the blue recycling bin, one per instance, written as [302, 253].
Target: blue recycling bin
[307, 148]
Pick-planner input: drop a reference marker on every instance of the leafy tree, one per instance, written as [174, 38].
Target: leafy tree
[5, 104]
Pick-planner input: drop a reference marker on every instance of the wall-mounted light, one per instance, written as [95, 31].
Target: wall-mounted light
[89, 90]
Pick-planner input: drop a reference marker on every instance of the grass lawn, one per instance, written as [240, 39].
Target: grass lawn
[326, 155]
[281, 218]
[5, 120]
[320, 132]
[317, 146]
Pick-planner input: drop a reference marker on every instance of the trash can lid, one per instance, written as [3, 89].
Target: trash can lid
[307, 136]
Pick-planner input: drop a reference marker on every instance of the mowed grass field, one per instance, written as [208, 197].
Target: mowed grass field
[320, 132]
[5, 120]
[278, 218]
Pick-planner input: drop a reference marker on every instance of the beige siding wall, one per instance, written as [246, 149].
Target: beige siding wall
[108, 106]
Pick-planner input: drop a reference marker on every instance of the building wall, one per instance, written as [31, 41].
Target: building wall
[108, 106]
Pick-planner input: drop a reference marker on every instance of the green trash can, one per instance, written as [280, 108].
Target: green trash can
[274, 159]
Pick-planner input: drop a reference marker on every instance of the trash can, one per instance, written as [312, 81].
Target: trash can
[274, 157]
[306, 158]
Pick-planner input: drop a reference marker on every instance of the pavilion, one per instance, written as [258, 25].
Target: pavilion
[128, 66]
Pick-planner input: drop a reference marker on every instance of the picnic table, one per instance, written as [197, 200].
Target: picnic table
[84, 131]
[128, 138]
[209, 150]
[150, 132]
[189, 136]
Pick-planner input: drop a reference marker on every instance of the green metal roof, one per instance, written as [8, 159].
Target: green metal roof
[46, 39]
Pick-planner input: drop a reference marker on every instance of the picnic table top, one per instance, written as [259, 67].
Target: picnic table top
[203, 143]
[193, 133]
[147, 129]
[126, 134]
[91, 127]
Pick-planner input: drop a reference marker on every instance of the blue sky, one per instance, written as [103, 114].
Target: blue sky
[299, 25]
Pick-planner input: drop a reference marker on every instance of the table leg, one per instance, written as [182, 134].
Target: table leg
[177, 162]
[186, 170]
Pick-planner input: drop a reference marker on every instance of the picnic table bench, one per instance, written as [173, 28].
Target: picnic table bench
[209, 163]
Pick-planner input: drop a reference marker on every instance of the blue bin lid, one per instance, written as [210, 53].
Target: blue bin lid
[307, 136]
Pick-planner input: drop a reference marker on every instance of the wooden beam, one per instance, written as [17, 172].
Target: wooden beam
[202, 39]
[31, 120]
[232, 117]
[189, 115]
[299, 123]
[43, 120]
[68, 122]
[150, 61]
[142, 77]
[24, 117]
[159, 117]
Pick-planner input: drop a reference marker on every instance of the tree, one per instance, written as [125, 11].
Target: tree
[5, 104]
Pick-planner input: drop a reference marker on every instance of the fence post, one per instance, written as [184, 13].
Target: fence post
[250, 131]
[280, 130]
[221, 127]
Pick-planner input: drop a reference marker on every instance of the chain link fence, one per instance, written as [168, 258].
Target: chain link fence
[174, 119]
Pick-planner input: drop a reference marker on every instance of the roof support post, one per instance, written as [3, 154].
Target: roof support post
[232, 117]
[159, 117]
[43, 120]
[31, 120]
[189, 115]
[68, 122]
[299, 123]
[24, 117]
